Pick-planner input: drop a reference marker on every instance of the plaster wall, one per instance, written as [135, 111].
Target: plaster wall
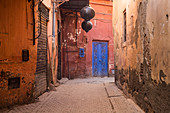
[101, 31]
[52, 62]
[141, 62]
[75, 38]
[16, 34]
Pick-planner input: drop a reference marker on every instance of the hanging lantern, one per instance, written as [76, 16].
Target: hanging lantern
[87, 13]
[86, 25]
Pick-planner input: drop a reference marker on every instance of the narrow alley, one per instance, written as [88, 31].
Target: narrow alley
[91, 95]
[84, 56]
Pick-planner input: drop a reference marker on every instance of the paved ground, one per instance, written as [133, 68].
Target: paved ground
[92, 95]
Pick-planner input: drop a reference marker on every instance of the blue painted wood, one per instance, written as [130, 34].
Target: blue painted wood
[100, 59]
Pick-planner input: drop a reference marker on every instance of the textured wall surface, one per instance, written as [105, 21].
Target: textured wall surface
[47, 61]
[16, 34]
[75, 38]
[52, 62]
[101, 31]
[143, 71]
[72, 40]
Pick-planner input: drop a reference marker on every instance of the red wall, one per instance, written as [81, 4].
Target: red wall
[101, 31]
[72, 39]
[72, 65]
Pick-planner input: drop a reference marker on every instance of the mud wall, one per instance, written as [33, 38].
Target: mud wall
[101, 31]
[141, 62]
[47, 54]
[74, 38]
[16, 36]
[52, 62]
[17, 77]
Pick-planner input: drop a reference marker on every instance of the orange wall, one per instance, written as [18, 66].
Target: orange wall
[49, 5]
[16, 34]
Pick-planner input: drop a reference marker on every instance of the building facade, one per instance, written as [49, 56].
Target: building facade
[28, 57]
[17, 69]
[42, 41]
[100, 42]
[77, 45]
[141, 42]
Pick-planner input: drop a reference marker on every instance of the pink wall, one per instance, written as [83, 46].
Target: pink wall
[101, 31]
[72, 65]
[73, 39]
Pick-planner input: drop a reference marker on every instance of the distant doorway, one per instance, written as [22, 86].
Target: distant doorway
[100, 58]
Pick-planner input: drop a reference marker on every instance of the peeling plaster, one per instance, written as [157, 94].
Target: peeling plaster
[70, 36]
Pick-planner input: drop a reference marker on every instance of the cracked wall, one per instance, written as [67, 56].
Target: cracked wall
[142, 62]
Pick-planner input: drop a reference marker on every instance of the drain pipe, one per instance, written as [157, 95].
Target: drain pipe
[33, 22]
[53, 32]
[53, 39]
[53, 29]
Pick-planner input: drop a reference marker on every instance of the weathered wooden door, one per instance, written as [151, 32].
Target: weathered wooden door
[100, 59]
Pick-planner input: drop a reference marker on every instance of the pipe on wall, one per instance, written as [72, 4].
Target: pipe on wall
[33, 22]
[76, 27]
[53, 39]
[53, 26]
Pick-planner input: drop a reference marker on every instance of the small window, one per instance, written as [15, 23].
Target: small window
[124, 25]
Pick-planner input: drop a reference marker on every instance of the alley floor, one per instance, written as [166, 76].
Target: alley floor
[91, 95]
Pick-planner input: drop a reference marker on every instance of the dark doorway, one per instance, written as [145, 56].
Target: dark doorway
[59, 52]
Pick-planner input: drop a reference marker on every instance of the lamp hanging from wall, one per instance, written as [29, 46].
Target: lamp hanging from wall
[86, 25]
[87, 13]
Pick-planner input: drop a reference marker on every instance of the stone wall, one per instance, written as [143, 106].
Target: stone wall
[141, 62]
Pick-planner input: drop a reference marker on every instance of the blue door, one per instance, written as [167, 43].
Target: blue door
[100, 59]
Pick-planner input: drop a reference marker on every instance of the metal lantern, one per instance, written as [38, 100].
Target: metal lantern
[87, 13]
[86, 25]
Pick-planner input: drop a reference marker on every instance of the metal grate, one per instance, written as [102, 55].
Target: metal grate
[42, 40]
[41, 69]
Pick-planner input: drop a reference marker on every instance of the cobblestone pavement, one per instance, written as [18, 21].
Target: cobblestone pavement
[91, 95]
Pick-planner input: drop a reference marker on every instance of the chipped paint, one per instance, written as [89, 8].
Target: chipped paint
[70, 36]
[142, 62]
